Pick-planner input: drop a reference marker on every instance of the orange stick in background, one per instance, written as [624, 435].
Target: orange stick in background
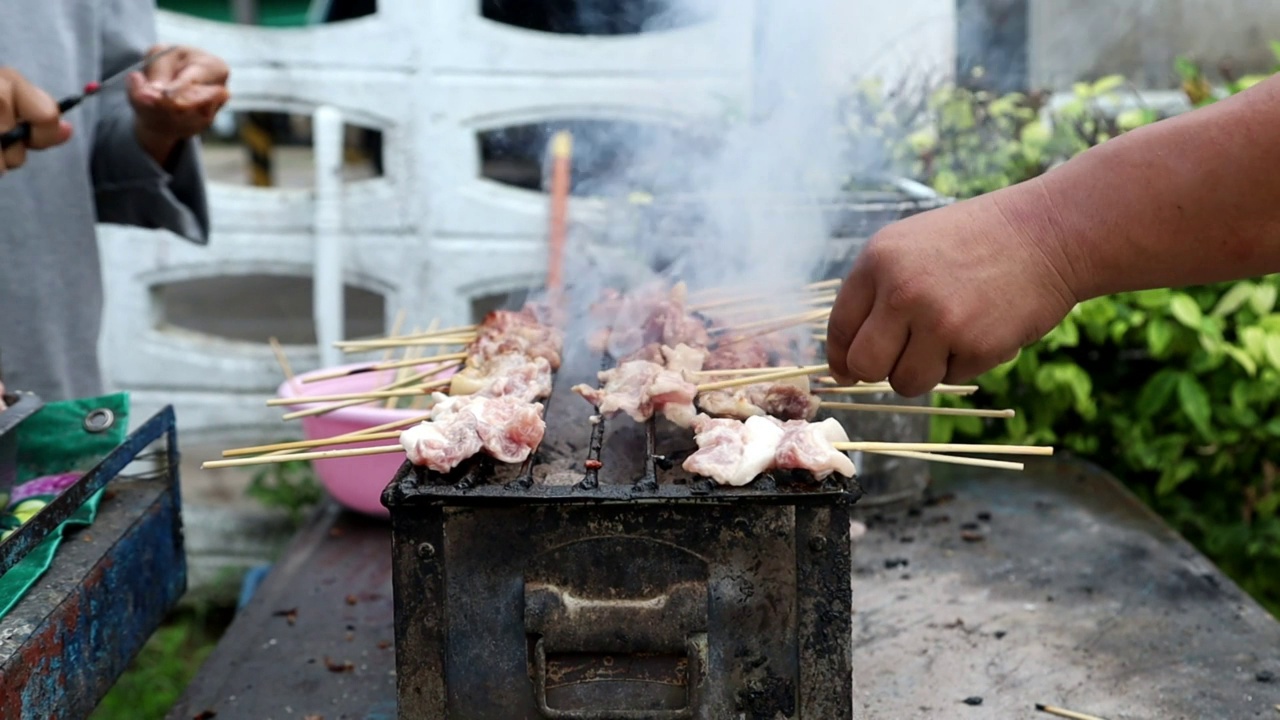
[561, 156]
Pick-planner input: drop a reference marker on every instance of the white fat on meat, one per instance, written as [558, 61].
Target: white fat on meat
[789, 399]
[732, 452]
[809, 446]
[508, 374]
[507, 428]
[640, 389]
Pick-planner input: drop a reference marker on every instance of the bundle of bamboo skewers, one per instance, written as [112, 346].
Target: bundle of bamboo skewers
[417, 375]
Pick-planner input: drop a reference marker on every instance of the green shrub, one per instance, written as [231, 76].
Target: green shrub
[1177, 392]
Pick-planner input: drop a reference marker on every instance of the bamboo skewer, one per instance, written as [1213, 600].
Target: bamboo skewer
[951, 459]
[283, 361]
[737, 371]
[422, 389]
[410, 353]
[918, 410]
[291, 447]
[884, 388]
[295, 457]
[417, 402]
[445, 332]
[763, 377]
[1072, 715]
[448, 360]
[418, 377]
[357, 436]
[761, 302]
[943, 448]
[782, 322]
[426, 341]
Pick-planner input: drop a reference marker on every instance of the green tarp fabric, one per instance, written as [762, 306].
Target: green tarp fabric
[55, 441]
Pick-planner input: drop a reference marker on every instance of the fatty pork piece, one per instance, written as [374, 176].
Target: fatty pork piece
[681, 358]
[507, 428]
[809, 446]
[640, 389]
[788, 399]
[732, 452]
[509, 332]
[509, 374]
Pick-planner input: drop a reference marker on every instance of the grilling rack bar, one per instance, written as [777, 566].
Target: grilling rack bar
[481, 480]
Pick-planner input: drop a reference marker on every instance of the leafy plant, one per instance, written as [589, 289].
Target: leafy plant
[291, 486]
[1176, 391]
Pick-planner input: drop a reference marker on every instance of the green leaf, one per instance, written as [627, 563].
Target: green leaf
[1254, 340]
[1156, 392]
[1160, 334]
[1108, 84]
[1242, 358]
[1234, 299]
[1194, 400]
[1185, 310]
[1264, 298]
[1272, 350]
[1273, 427]
[1175, 476]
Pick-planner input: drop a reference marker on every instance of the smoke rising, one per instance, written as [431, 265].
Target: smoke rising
[730, 199]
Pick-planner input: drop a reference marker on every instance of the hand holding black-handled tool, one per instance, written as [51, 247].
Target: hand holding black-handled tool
[22, 132]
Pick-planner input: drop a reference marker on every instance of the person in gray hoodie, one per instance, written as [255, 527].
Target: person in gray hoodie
[129, 156]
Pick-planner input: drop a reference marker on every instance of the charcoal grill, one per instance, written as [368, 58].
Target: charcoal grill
[600, 581]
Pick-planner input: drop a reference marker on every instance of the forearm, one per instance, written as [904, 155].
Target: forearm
[1189, 200]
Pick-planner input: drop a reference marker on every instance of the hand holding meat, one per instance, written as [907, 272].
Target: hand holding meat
[177, 97]
[947, 295]
[20, 102]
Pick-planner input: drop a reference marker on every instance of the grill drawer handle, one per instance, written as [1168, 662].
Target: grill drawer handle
[684, 713]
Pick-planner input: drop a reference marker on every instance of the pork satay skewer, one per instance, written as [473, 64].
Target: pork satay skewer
[764, 377]
[918, 410]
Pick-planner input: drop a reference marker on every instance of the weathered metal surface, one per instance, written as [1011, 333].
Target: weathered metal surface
[500, 608]
[1140, 625]
[1050, 586]
[66, 642]
[316, 639]
[62, 507]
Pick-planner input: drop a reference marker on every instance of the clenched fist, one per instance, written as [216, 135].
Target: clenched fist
[949, 294]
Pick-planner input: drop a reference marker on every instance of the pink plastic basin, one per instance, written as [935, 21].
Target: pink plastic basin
[356, 482]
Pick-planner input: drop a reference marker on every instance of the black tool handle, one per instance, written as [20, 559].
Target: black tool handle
[22, 132]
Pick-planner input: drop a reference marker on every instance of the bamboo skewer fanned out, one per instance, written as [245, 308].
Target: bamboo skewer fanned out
[742, 304]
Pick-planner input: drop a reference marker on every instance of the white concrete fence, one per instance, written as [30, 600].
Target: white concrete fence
[431, 234]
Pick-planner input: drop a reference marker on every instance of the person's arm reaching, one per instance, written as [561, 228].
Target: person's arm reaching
[951, 293]
[146, 157]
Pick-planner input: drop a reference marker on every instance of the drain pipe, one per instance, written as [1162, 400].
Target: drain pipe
[327, 284]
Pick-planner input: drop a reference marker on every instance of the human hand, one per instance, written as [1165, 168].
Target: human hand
[177, 97]
[948, 294]
[20, 102]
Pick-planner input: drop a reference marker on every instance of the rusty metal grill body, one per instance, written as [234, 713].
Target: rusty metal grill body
[600, 581]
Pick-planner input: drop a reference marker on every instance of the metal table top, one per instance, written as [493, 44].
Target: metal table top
[1050, 586]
